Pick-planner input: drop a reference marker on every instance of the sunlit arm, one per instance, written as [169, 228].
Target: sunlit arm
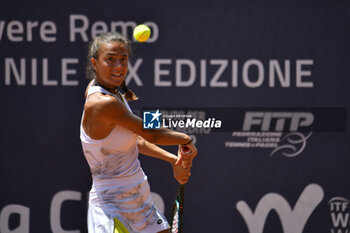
[152, 150]
[181, 174]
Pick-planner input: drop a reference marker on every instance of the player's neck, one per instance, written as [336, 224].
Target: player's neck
[111, 90]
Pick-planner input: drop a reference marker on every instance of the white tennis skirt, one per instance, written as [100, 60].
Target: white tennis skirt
[124, 206]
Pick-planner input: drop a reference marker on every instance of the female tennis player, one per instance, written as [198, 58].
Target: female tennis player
[112, 137]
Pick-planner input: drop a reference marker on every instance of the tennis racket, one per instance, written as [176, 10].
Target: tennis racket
[178, 206]
[178, 210]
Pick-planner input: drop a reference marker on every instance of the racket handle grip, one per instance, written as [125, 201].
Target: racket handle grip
[185, 150]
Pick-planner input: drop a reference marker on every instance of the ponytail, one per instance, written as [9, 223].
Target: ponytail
[128, 94]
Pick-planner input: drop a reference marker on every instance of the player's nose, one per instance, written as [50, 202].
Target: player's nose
[117, 64]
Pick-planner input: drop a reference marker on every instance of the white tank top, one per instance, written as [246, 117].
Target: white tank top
[116, 155]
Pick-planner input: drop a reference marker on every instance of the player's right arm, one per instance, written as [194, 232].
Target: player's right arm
[103, 112]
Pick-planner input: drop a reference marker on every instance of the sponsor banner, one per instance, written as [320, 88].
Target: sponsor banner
[280, 131]
[262, 120]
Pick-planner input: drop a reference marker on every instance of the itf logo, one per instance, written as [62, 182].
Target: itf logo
[339, 209]
[151, 119]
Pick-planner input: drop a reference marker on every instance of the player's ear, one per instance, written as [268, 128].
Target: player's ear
[93, 63]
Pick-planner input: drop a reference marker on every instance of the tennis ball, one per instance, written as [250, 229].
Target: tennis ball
[142, 33]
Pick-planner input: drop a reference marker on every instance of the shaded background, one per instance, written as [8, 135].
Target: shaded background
[41, 158]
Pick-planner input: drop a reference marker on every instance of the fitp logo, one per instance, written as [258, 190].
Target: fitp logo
[264, 129]
[152, 119]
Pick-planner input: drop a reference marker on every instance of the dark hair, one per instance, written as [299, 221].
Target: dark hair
[93, 52]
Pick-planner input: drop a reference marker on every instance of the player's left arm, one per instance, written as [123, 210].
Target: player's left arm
[154, 151]
[181, 174]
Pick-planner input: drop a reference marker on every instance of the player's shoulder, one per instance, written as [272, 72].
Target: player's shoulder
[100, 102]
[101, 98]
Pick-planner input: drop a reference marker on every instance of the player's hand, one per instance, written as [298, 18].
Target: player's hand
[186, 154]
[181, 174]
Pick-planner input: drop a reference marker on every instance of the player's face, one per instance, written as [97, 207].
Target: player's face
[112, 64]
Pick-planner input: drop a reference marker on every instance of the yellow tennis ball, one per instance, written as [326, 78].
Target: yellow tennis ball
[142, 33]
